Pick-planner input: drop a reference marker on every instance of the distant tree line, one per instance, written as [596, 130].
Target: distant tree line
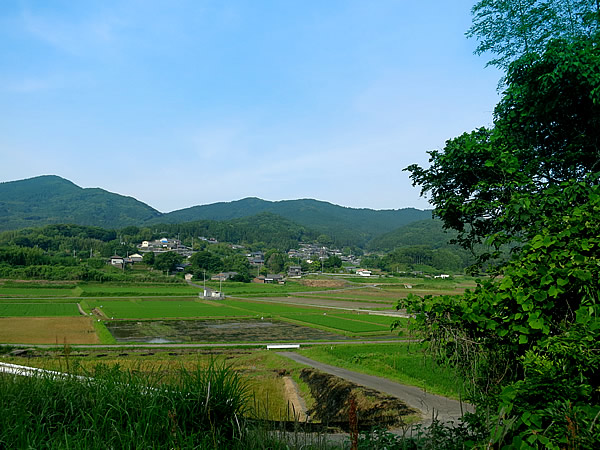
[45, 252]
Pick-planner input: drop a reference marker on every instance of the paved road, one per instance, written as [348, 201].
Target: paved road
[443, 408]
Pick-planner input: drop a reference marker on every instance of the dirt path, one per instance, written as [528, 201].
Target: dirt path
[443, 408]
[297, 404]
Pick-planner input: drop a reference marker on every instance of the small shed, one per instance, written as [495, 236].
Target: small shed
[211, 294]
[116, 260]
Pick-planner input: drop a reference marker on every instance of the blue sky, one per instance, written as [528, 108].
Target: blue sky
[182, 103]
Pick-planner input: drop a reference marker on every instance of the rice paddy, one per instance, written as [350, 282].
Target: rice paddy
[339, 311]
[38, 309]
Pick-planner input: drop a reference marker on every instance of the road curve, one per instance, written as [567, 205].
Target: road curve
[445, 409]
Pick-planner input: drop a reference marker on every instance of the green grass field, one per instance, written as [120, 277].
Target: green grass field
[338, 323]
[137, 290]
[158, 309]
[38, 309]
[382, 320]
[349, 323]
[271, 309]
[29, 291]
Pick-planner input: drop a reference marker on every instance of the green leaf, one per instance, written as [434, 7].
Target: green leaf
[537, 324]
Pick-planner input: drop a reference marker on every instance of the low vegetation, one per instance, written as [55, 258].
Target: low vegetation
[407, 363]
[107, 407]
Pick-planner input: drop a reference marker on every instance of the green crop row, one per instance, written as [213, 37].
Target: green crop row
[151, 309]
[38, 309]
[382, 320]
[338, 323]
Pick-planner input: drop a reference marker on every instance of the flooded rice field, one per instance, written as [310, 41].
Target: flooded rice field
[184, 331]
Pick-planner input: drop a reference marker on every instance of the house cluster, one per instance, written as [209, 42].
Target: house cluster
[120, 261]
[270, 279]
[223, 276]
[306, 252]
[314, 252]
[256, 258]
[209, 240]
[165, 245]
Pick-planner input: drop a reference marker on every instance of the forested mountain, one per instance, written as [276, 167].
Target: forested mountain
[424, 232]
[50, 199]
[346, 226]
[265, 229]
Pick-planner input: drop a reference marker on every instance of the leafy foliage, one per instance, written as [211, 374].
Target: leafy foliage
[545, 133]
[167, 261]
[510, 29]
[526, 342]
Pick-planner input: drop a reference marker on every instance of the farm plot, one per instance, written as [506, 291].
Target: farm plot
[137, 290]
[240, 330]
[38, 309]
[47, 330]
[270, 308]
[32, 290]
[338, 322]
[154, 309]
[368, 294]
[382, 320]
[163, 309]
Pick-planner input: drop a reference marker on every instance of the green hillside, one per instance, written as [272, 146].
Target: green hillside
[345, 225]
[424, 232]
[271, 230]
[50, 199]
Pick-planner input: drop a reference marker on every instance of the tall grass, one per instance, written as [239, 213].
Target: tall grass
[113, 408]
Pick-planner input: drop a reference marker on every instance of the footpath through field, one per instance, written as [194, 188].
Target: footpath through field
[444, 409]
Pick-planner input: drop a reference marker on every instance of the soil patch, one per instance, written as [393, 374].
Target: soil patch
[47, 330]
[314, 300]
[324, 283]
[182, 331]
[297, 404]
[332, 402]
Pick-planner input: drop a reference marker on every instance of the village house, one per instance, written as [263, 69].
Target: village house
[269, 279]
[294, 271]
[256, 258]
[274, 278]
[223, 276]
[117, 261]
[136, 258]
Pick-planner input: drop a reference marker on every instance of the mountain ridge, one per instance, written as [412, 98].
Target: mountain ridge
[50, 199]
